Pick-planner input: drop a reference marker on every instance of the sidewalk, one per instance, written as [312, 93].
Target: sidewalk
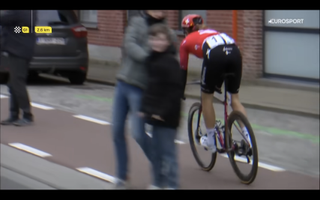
[272, 95]
[26, 171]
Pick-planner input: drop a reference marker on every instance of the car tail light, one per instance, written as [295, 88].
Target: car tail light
[79, 31]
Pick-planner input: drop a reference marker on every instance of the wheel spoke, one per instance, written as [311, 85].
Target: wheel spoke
[245, 149]
[195, 133]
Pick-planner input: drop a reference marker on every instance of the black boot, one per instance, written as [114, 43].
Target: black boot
[10, 120]
[25, 121]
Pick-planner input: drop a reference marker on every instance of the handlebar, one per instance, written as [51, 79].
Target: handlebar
[196, 82]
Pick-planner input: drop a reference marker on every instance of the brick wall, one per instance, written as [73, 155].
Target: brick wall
[111, 25]
[251, 42]
[173, 19]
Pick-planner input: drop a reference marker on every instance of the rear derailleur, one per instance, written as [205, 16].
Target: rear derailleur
[243, 150]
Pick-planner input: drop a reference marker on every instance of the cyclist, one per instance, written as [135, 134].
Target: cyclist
[220, 55]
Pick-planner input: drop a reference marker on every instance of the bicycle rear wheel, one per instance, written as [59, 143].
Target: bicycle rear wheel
[195, 134]
[242, 148]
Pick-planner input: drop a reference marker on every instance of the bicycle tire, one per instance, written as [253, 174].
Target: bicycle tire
[252, 175]
[196, 106]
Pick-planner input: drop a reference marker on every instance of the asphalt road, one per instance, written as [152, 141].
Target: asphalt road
[61, 138]
[282, 139]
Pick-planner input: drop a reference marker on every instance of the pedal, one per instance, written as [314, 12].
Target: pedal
[221, 151]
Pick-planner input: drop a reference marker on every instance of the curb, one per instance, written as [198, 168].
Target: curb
[267, 108]
[246, 104]
[92, 80]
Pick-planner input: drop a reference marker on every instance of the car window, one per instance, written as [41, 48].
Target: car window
[56, 17]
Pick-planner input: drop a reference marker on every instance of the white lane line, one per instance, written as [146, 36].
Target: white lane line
[262, 165]
[90, 119]
[43, 107]
[97, 174]
[176, 141]
[29, 149]
[36, 105]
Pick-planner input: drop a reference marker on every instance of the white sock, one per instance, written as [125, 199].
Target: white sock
[210, 137]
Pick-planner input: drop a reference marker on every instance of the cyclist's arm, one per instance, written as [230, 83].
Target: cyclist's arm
[184, 61]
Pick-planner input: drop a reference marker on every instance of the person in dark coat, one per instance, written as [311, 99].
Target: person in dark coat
[16, 53]
[131, 82]
[161, 106]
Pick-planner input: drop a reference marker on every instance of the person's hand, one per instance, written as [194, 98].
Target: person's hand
[141, 114]
[157, 117]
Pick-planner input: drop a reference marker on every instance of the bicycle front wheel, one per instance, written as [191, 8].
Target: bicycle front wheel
[245, 149]
[195, 133]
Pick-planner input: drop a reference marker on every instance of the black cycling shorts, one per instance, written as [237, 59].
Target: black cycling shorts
[220, 60]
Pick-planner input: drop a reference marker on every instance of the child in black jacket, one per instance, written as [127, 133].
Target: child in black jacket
[161, 106]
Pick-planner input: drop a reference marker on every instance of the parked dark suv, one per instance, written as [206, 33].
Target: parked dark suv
[63, 52]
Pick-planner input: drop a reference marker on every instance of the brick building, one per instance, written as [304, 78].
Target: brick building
[106, 29]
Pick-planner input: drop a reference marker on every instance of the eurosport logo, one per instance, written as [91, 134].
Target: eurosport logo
[285, 21]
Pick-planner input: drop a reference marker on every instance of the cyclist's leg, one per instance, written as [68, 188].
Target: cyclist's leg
[206, 88]
[211, 69]
[235, 67]
[207, 110]
[207, 98]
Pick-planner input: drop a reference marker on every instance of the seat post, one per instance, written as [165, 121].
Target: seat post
[225, 78]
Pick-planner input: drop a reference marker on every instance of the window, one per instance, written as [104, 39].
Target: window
[89, 18]
[292, 54]
[183, 13]
[56, 17]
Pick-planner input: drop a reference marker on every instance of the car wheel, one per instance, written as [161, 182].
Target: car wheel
[77, 78]
[4, 77]
[33, 76]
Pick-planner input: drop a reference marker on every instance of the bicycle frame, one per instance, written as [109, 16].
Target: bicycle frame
[225, 103]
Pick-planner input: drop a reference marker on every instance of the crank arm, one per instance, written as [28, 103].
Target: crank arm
[229, 150]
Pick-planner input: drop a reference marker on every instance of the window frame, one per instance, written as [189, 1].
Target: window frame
[88, 24]
[268, 28]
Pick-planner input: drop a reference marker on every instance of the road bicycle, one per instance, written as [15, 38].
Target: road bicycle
[235, 150]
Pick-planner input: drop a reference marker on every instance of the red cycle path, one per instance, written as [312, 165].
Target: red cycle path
[76, 143]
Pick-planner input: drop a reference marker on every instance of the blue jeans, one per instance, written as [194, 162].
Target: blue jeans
[165, 159]
[127, 98]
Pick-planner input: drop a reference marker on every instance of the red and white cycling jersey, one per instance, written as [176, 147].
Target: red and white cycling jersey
[193, 43]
